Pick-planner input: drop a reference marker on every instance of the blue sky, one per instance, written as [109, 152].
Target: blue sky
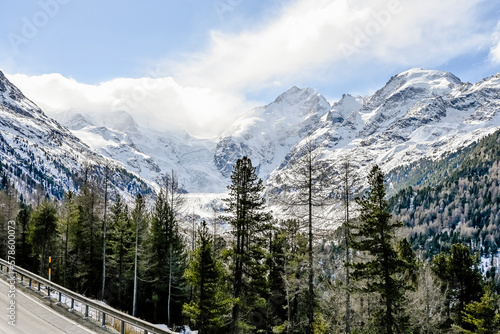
[198, 64]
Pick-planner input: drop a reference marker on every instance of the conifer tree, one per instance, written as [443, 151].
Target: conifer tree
[381, 272]
[68, 218]
[288, 283]
[121, 252]
[210, 306]
[460, 278]
[23, 252]
[277, 289]
[167, 256]
[482, 316]
[78, 270]
[9, 210]
[89, 202]
[250, 225]
[43, 233]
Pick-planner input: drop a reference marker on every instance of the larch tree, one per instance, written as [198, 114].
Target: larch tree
[347, 188]
[304, 186]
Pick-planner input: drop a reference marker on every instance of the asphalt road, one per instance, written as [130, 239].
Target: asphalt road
[32, 317]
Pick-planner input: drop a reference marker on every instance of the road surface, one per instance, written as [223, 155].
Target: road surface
[32, 316]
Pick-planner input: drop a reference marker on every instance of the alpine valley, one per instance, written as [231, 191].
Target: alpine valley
[418, 116]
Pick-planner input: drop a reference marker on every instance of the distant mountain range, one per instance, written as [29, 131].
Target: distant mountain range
[418, 114]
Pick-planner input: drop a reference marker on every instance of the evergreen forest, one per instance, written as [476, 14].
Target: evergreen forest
[421, 258]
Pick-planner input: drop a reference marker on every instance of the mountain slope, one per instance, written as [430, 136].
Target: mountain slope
[37, 151]
[418, 114]
[462, 207]
[266, 134]
[149, 153]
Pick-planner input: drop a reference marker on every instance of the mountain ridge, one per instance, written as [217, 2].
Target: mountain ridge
[418, 114]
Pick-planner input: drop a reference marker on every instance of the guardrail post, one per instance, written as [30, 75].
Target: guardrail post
[22, 278]
[29, 284]
[86, 312]
[38, 287]
[72, 304]
[48, 292]
[123, 327]
[59, 302]
[103, 319]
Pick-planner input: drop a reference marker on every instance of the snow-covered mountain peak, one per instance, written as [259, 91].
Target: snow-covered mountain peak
[15, 101]
[117, 120]
[267, 133]
[298, 102]
[342, 109]
[418, 82]
[73, 120]
[417, 114]
[121, 121]
[436, 82]
[489, 83]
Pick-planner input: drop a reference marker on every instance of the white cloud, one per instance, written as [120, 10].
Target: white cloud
[311, 37]
[308, 40]
[495, 49]
[158, 103]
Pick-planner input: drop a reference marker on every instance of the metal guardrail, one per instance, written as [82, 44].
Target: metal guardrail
[89, 303]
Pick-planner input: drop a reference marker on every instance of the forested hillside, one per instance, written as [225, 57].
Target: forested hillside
[458, 204]
[409, 263]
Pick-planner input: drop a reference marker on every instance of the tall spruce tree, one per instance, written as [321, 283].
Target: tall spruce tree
[167, 257]
[277, 289]
[68, 217]
[90, 202]
[121, 253]
[210, 306]
[382, 271]
[250, 225]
